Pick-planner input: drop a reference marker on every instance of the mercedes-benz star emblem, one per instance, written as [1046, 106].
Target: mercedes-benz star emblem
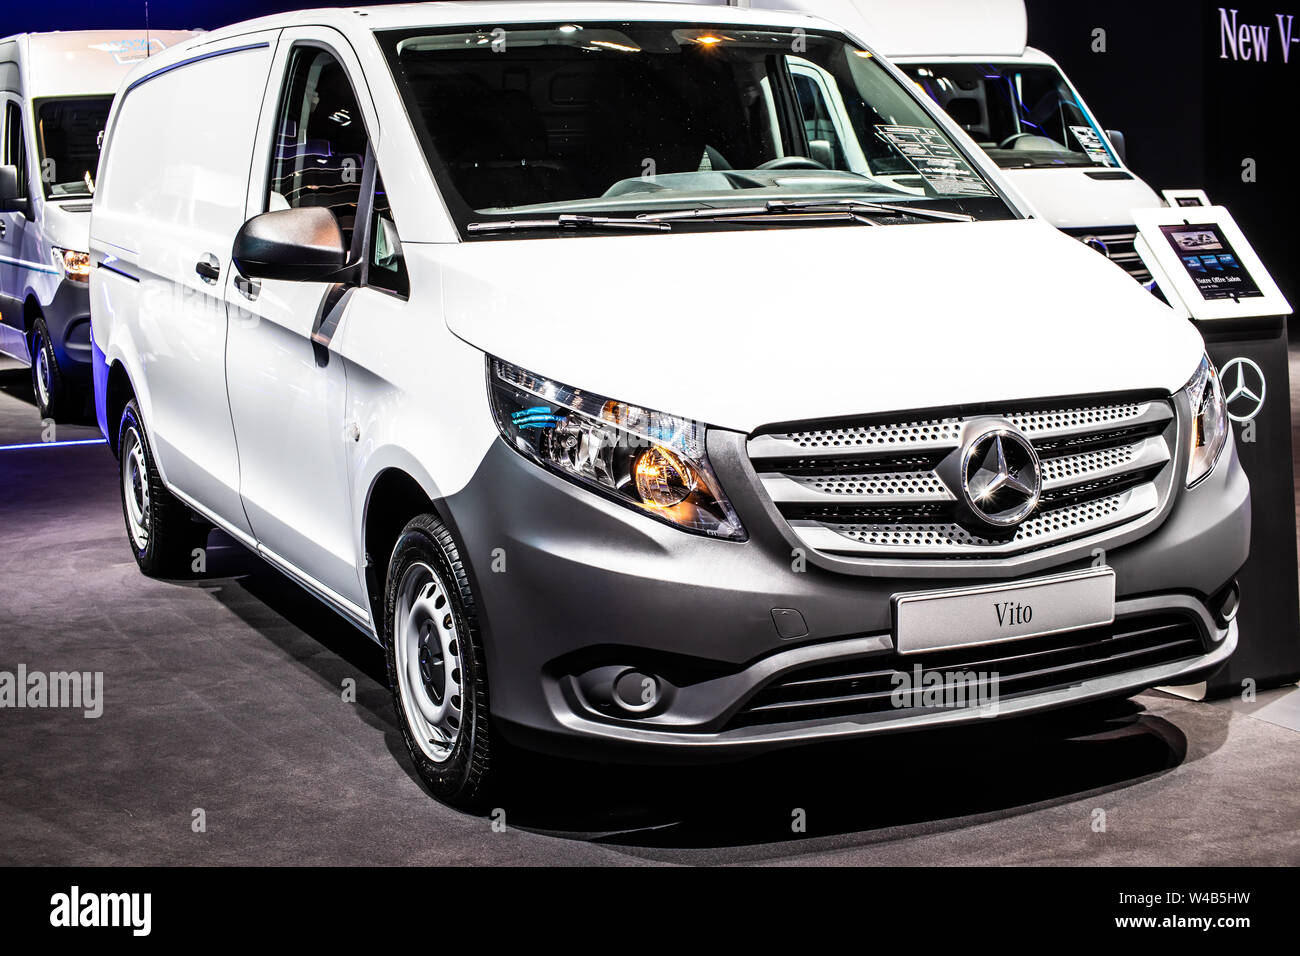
[1244, 383]
[1093, 242]
[1000, 477]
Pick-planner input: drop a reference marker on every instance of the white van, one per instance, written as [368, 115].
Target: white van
[55, 92]
[972, 57]
[534, 340]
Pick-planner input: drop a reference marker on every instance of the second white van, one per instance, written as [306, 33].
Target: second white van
[55, 94]
[973, 59]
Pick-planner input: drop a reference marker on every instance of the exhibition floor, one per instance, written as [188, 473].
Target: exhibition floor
[225, 695]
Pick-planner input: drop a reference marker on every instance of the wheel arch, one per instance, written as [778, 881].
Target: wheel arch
[32, 311]
[393, 498]
[118, 392]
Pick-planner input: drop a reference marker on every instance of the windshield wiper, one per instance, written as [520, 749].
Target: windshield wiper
[570, 221]
[852, 208]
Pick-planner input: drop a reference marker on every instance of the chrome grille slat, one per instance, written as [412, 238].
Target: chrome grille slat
[868, 489]
[930, 435]
[949, 539]
[889, 488]
[1069, 470]
[1121, 249]
[1088, 420]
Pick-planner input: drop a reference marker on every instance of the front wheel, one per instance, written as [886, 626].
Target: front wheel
[54, 394]
[435, 664]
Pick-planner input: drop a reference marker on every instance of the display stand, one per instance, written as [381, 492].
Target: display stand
[1205, 267]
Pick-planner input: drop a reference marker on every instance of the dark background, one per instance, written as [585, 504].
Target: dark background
[1190, 117]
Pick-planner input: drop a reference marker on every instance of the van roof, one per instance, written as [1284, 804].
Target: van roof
[483, 12]
[86, 62]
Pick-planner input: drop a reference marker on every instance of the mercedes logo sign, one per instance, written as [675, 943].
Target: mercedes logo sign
[1001, 479]
[1244, 387]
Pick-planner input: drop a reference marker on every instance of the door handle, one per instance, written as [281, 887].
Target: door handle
[249, 288]
[3, 228]
[208, 269]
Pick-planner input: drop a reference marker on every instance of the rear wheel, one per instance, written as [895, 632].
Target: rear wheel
[161, 530]
[435, 664]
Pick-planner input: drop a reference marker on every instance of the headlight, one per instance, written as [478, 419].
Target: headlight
[647, 460]
[1209, 427]
[74, 265]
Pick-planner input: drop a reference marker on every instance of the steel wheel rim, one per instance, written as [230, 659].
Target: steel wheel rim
[135, 489]
[42, 374]
[426, 645]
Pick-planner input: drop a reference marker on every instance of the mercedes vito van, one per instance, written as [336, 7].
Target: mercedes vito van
[1014, 101]
[537, 341]
[55, 92]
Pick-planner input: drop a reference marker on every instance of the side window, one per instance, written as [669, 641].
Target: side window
[320, 147]
[15, 145]
[387, 269]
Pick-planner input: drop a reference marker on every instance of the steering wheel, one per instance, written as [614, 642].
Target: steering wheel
[791, 162]
[1006, 143]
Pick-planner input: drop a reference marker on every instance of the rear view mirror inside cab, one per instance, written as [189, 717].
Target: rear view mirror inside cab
[301, 245]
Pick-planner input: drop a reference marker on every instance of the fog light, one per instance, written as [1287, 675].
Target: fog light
[636, 692]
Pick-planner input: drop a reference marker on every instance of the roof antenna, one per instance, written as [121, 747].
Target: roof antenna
[148, 44]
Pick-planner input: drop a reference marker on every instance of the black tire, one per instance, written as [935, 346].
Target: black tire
[462, 778]
[55, 396]
[172, 531]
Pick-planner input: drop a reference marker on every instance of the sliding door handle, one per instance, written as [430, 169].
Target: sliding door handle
[249, 288]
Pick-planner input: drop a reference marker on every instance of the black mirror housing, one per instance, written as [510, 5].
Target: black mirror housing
[10, 201]
[298, 245]
[1117, 140]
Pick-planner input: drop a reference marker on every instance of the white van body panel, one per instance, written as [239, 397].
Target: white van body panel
[302, 521]
[1071, 199]
[928, 301]
[175, 190]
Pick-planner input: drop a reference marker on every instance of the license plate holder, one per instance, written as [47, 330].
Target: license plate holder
[927, 621]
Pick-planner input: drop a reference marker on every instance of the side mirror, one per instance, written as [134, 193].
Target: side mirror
[388, 247]
[10, 200]
[299, 245]
[1117, 140]
[822, 151]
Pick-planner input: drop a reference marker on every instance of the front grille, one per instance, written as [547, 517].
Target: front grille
[867, 686]
[874, 489]
[1120, 248]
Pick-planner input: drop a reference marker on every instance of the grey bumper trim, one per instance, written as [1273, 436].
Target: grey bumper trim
[766, 737]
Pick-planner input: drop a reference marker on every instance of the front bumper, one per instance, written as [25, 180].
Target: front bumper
[67, 316]
[575, 590]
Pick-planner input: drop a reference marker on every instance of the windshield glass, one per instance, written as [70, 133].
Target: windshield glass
[615, 118]
[1020, 115]
[67, 138]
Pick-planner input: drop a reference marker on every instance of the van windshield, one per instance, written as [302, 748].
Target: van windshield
[618, 118]
[68, 138]
[1022, 116]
